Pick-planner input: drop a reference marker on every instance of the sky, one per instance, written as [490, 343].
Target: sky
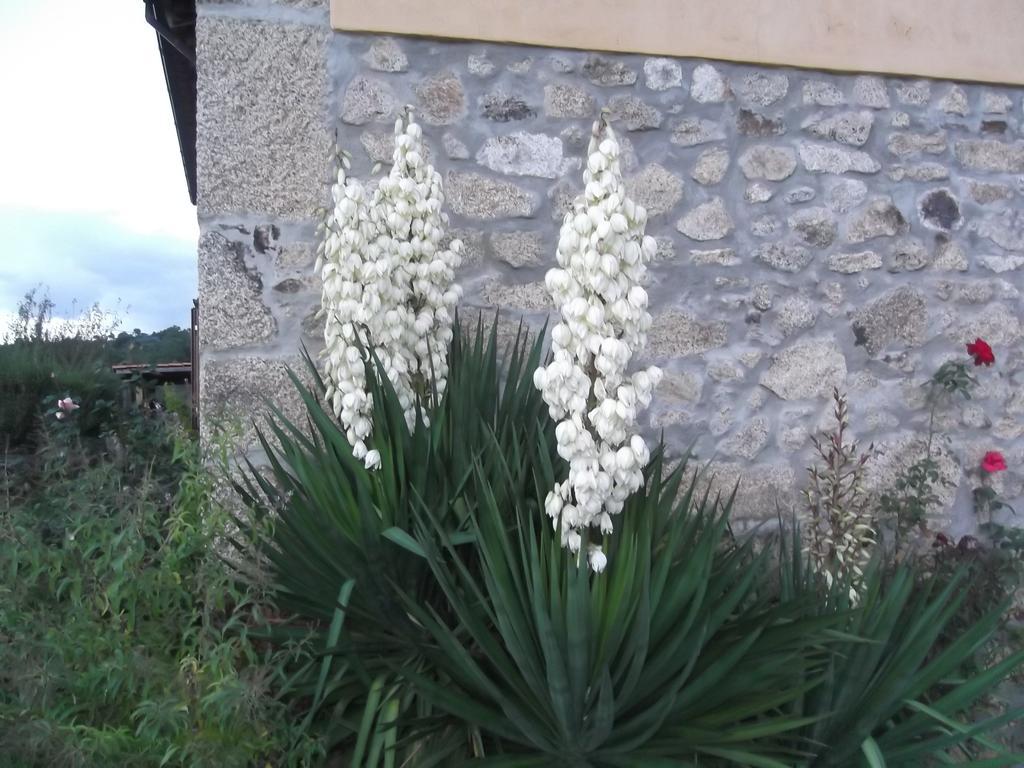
[93, 200]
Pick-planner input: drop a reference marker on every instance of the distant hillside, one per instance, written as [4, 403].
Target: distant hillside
[171, 345]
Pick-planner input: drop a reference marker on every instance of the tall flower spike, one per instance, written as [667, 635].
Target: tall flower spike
[387, 282]
[602, 261]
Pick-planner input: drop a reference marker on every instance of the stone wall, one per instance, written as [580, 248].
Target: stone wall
[816, 230]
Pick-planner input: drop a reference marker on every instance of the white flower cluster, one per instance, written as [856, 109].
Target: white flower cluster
[602, 257]
[387, 283]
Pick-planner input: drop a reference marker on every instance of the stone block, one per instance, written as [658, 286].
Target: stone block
[820, 158]
[708, 221]
[764, 161]
[807, 369]
[482, 197]
[901, 315]
[662, 74]
[562, 100]
[680, 334]
[441, 99]
[262, 128]
[522, 297]
[655, 188]
[236, 391]
[232, 310]
[852, 128]
[524, 154]
[711, 166]
[521, 249]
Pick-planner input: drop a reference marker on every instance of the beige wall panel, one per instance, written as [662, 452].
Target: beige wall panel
[960, 39]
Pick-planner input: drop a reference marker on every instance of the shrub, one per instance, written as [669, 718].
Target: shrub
[124, 641]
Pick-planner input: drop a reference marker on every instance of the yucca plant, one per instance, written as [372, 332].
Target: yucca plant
[340, 553]
[667, 658]
[890, 695]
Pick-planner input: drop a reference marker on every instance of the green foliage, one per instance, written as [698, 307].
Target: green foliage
[171, 345]
[34, 375]
[670, 657]
[123, 639]
[840, 530]
[340, 552]
[894, 689]
[912, 495]
[44, 360]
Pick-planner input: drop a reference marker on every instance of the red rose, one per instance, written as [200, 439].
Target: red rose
[981, 352]
[993, 462]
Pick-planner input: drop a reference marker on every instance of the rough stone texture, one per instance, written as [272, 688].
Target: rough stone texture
[843, 195]
[991, 155]
[880, 218]
[602, 71]
[708, 221]
[784, 257]
[820, 158]
[761, 88]
[940, 210]
[441, 99]
[900, 315]
[822, 93]
[679, 334]
[815, 227]
[379, 145]
[562, 100]
[231, 294]
[750, 123]
[917, 93]
[758, 193]
[723, 257]
[764, 161]
[711, 166]
[955, 102]
[655, 188]
[234, 391]
[799, 195]
[853, 128]
[368, 99]
[386, 55]
[261, 150]
[851, 263]
[523, 154]
[807, 369]
[662, 74]
[528, 297]
[870, 92]
[869, 228]
[520, 249]
[503, 107]
[795, 314]
[482, 197]
[708, 86]
[634, 113]
[690, 132]
[912, 144]
[987, 192]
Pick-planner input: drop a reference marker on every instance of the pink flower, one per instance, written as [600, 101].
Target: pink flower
[67, 405]
[993, 462]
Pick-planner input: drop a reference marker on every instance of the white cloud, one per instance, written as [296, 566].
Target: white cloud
[88, 125]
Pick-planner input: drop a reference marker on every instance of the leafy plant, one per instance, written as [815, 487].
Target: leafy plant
[124, 641]
[914, 492]
[892, 692]
[671, 655]
[339, 553]
[840, 522]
